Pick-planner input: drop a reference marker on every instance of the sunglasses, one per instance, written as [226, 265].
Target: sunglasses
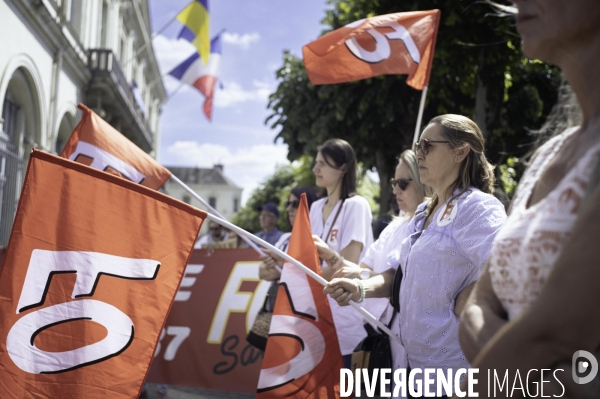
[424, 145]
[215, 228]
[401, 183]
[294, 203]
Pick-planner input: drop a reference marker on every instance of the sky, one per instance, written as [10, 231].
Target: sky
[256, 34]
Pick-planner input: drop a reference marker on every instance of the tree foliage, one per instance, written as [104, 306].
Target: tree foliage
[275, 189]
[478, 71]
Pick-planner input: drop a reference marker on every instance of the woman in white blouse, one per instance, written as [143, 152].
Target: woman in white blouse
[383, 256]
[343, 221]
[534, 307]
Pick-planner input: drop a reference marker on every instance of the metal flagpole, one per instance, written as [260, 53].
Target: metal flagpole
[420, 116]
[161, 30]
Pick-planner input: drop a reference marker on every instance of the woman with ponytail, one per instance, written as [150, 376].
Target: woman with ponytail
[449, 240]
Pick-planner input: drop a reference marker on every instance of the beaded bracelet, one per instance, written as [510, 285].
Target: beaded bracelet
[361, 287]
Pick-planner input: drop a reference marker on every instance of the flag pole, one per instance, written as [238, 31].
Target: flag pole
[161, 30]
[213, 210]
[243, 233]
[420, 115]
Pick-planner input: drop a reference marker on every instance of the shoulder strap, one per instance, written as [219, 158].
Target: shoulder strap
[335, 219]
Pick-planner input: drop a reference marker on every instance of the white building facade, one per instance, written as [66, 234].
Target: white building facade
[209, 183]
[55, 54]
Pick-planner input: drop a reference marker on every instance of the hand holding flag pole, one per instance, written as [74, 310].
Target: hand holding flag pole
[365, 313]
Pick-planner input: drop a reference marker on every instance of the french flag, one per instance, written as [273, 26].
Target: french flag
[203, 77]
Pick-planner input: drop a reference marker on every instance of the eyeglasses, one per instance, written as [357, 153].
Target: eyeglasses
[424, 145]
[215, 228]
[294, 204]
[402, 183]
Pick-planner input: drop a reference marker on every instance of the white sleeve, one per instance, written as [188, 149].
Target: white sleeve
[356, 223]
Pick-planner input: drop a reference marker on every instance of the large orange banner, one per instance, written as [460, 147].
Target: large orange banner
[204, 343]
[91, 270]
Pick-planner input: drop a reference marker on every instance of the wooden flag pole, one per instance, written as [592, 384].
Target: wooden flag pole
[420, 115]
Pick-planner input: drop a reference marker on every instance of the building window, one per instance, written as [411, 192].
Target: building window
[186, 199]
[10, 113]
[236, 203]
[212, 201]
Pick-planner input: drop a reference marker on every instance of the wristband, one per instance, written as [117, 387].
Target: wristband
[361, 287]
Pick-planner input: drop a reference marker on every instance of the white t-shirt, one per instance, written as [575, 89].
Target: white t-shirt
[352, 224]
[283, 242]
[382, 255]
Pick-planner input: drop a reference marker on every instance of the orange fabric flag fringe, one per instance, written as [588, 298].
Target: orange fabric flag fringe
[96, 143]
[302, 358]
[400, 43]
[92, 268]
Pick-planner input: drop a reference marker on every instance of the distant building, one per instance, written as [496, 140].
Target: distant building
[211, 184]
[57, 53]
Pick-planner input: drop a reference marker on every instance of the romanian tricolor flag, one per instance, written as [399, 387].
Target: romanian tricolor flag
[196, 28]
[202, 77]
[392, 44]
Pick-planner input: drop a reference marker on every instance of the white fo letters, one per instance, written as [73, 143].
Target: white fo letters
[382, 46]
[296, 327]
[88, 266]
[103, 160]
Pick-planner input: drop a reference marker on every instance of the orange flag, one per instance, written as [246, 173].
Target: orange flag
[401, 43]
[91, 270]
[97, 144]
[302, 358]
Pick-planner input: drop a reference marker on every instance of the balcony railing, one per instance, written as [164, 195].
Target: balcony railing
[103, 63]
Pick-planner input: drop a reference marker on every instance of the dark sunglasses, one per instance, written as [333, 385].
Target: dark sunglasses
[402, 183]
[294, 203]
[424, 145]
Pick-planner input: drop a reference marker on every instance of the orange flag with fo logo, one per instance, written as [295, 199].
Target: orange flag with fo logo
[392, 44]
[91, 270]
[302, 358]
[96, 143]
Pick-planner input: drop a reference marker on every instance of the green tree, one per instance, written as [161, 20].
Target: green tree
[478, 71]
[276, 189]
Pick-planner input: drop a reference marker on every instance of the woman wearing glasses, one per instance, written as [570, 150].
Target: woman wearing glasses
[343, 221]
[449, 240]
[382, 257]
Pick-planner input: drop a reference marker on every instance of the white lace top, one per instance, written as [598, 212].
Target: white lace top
[528, 245]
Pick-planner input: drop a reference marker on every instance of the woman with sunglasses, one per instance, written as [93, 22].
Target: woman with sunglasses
[449, 240]
[382, 257]
[268, 268]
[343, 221]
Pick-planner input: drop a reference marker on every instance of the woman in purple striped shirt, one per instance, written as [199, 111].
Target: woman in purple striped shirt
[449, 240]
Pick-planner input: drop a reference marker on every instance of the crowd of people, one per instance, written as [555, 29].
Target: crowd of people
[478, 288]
[475, 287]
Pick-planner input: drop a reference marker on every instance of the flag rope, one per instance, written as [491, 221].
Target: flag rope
[249, 236]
